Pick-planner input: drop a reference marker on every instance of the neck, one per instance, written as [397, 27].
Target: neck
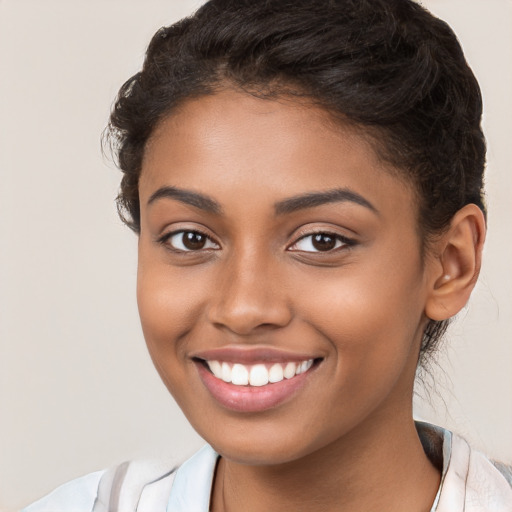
[379, 468]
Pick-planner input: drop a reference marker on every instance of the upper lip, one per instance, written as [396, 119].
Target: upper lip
[251, 355]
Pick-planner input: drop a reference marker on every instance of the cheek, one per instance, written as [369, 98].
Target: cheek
[359, 303]
[371, 316]
[170, 305]
[160, 307]
[169, 308]
[374, 336]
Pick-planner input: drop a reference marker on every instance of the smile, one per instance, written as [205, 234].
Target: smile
[250, 381]
[257, 374]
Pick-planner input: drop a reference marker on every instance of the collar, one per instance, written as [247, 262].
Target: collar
[469, 481]
[192, 484]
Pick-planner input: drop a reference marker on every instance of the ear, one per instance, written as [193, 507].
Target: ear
[457, 264]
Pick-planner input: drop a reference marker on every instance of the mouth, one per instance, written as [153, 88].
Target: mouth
[254, 384]
[256, 375]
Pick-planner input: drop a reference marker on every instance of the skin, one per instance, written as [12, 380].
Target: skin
[360, 309]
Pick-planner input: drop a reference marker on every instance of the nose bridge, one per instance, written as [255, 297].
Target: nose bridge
[250, 293]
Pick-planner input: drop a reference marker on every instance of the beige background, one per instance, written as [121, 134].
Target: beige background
[77, 389]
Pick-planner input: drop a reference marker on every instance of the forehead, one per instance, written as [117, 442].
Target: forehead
[234, 145]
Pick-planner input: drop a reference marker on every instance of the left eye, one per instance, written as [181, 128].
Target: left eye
[188, 241]
[319, 242]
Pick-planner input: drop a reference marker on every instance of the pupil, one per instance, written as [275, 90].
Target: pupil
[323, 242]
[193, 241]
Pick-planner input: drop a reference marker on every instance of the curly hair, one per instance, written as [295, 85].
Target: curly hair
[388, 67]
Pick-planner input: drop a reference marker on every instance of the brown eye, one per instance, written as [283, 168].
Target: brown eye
[193, 241]
[187, 241]
[323, 242]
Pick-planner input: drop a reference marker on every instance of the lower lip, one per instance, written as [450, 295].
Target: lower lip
[251, 398]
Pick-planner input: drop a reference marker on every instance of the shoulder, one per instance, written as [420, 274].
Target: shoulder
[78, 495]
[136, 485]
[471, 481]
[488, 486]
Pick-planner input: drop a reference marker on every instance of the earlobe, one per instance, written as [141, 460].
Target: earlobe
[458, 262]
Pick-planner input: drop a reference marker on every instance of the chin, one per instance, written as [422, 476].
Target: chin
[262, 442]
[263, 454]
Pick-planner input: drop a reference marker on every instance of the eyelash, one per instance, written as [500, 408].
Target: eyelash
[165, 240]
[344, 241]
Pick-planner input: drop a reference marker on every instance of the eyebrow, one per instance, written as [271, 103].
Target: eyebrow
[189, 197]
[312, 199]
[290, 205]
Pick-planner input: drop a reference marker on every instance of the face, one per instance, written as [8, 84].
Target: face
[280, 283]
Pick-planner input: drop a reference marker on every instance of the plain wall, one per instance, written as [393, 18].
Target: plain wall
[77, 389]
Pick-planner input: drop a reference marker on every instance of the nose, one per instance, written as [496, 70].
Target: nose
[250, 297]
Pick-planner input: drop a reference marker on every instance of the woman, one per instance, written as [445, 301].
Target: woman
[306, 183]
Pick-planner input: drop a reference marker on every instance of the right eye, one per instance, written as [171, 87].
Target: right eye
[189, 241]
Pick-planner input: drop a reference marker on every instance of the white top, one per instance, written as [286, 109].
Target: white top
[470, 483]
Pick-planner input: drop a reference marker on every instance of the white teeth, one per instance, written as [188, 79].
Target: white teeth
[226, 372]
[258, 374]
[216, 368]
[305, 365]
[239, 375]
[289, 370]
[275, 373]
